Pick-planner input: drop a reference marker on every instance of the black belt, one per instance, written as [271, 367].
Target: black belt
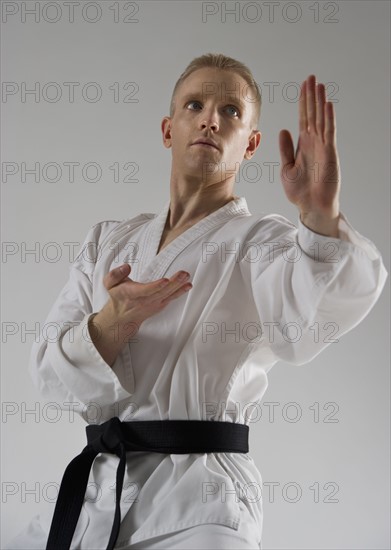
[116, 437]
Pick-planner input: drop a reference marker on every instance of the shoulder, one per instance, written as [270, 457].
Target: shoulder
[103, 233]
[264, 228]
[107, 228]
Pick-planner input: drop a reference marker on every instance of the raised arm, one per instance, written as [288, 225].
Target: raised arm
[311, 176]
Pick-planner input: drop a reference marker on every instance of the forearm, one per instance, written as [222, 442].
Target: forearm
[322, 292]
[108, 336]
[324, 225]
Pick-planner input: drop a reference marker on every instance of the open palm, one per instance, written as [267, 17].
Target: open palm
[311, 176]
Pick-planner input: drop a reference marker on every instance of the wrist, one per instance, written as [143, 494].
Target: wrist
[326, 225]
[107, 320]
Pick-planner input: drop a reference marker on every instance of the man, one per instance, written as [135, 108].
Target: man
[149, 345]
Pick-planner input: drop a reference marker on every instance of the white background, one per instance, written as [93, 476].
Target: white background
[346, 45]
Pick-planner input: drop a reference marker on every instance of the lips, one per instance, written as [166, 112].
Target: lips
[205, 141]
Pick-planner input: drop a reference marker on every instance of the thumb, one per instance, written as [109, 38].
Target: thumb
[124, 269]
[286, 148]
[116, 275]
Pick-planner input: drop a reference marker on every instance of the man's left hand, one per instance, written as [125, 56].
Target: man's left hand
[311, 177]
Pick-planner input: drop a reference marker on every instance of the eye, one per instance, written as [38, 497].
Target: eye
[234, 108]
[190, 102]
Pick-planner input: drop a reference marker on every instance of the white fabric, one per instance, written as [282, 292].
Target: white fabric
[208, 536]
[268, 282]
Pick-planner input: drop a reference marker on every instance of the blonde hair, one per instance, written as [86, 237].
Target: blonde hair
[221, 61]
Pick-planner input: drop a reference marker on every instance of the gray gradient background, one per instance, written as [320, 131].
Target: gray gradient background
[352, 53]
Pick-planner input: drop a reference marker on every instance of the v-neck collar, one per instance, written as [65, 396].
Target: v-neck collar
[152, 264]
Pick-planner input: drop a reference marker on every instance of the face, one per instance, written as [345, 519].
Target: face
[211, 104]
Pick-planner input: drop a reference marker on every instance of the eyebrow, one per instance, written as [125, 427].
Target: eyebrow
[196, 95]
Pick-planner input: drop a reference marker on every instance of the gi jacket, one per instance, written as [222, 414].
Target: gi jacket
[259, 285]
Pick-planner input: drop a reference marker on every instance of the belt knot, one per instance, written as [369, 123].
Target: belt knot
[111, 439]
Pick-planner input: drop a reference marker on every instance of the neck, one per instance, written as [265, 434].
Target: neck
[191, 201]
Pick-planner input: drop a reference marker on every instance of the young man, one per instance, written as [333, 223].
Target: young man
[148, 345]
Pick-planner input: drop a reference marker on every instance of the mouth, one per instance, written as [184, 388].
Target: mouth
[204, 144]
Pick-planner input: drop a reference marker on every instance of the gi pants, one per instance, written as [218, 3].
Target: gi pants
[208, 536]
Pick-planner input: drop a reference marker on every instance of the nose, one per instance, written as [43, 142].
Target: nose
[212, 124]
[209, 120]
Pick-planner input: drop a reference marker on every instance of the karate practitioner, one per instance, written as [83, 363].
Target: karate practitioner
[140, 343]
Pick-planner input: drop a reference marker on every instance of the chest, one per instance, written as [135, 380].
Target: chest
[168, 236]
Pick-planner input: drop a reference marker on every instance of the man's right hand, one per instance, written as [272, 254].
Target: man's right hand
[129, 304]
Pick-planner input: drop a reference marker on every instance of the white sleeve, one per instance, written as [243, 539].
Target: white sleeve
[64, 364]
[310, 289]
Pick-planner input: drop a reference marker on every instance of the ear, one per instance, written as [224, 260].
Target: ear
[253, 144]
[166, 131]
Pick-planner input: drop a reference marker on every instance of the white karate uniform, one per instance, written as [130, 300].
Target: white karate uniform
[259, 285]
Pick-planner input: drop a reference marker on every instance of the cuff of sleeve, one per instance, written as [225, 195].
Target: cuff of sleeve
[92, 377]
[323, 248]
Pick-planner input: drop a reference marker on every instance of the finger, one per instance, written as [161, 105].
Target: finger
[157, 289]
[286, 148]
[330, 125]
[320, 109]
[303, 123]
[174, 283]
[311, 106]
[179, 292]
[141, 290]
[115, 276]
